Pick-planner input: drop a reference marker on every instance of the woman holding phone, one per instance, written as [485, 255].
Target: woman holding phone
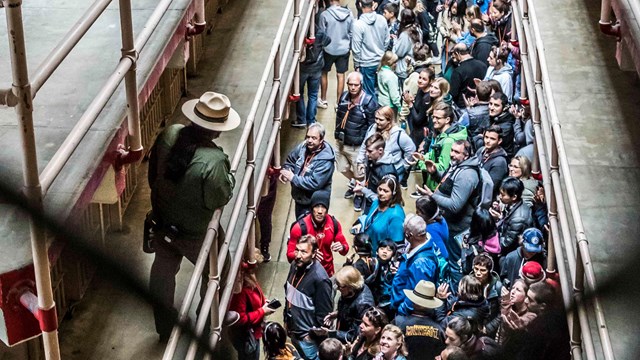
[249, 301]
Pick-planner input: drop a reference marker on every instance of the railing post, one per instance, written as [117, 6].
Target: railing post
[134, 153]
[277, 115]
[296, 49]
[250, 251]
[32, 190]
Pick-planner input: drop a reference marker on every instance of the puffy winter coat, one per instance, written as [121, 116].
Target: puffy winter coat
[360, 118]
[514, 221]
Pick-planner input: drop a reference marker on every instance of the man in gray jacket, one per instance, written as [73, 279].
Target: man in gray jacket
[336, 22]
[370, 39]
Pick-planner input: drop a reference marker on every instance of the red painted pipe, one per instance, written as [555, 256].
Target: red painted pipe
[124, 157]
[48, 319]
[194, 29]
[610, 29]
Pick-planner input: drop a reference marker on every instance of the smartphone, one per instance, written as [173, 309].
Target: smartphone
[274, 304]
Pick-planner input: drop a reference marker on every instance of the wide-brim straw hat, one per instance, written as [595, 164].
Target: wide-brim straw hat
[424, 295]
[212, 111]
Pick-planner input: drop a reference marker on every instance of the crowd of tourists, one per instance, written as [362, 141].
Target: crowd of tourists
[435, 92]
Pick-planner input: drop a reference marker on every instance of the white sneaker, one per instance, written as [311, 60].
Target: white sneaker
[323, 104]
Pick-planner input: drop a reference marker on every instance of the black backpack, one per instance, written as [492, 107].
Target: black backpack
[303, 225]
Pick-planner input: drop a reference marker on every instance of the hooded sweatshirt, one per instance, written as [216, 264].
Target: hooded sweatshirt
[399, 146]
[504, 76]
[370, 38]
[482, 47]
[336, 22]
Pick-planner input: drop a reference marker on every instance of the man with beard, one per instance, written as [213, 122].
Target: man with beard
[309, 168]
[324, 227]
[455, 196]
[308, 297]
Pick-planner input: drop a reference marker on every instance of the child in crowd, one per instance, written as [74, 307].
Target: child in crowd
[366, 264]
[385, 271]
[390, 12]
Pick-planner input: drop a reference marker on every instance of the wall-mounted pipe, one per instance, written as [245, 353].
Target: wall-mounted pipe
[607, 27]
[7, 97]
[199, 22]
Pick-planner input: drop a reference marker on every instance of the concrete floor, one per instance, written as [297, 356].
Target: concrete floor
[597, 105]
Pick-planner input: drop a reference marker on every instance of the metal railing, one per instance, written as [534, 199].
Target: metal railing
[568, 240]
[279, 59]
[20, 96]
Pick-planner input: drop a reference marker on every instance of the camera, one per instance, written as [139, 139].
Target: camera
[352, 184]
[339, 135]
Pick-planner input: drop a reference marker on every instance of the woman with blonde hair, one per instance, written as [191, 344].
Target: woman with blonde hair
[520, 168]
[355, 299]
[388, 83]
[398, 144]
[392, 344]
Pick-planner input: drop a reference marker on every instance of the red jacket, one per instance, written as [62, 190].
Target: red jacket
[329, 234]
[248, 303]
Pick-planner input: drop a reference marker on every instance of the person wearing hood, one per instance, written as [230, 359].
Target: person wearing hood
[336, 22]
[370, 38]
[438, 158]
[311, 64]
[500, 70]
[484, 41]
[309, 168]
[399, 145]
[324, 227]
[476, 115]
[457, 186]
[492, 156]
[379, 164]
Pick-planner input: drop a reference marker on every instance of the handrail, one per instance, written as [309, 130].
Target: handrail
[245, 241]
[80, 129]
[546, 117]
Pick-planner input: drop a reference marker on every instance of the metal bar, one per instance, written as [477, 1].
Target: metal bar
[261, 85]
[183, 315]
[68, 42]
[32, 191]
[297, 48]
[210, 303]
[583, 247]
[131, 84]
[277, 115]
[250, 253]
[151, 24]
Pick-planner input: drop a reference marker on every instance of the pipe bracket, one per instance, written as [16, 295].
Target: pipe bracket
[610, 29]
[132, 55]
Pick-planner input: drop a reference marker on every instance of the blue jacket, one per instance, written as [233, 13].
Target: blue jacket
[439, 232]
[317, 175]
[419, 264]
[384, 225]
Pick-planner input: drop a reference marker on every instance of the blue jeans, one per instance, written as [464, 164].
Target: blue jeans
[308, 348]
[369, 80]
[307, 114]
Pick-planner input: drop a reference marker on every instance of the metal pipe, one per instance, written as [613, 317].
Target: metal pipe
[134, 153]
[199, 21]
[68, 42]
[277, 115]
[296, 50]
[183, 315]
[7, 98]
[605, 24]
[32, 191]
[210, 303]
[583, 320]
[235, 163]
[151, 24]
[250, 253]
